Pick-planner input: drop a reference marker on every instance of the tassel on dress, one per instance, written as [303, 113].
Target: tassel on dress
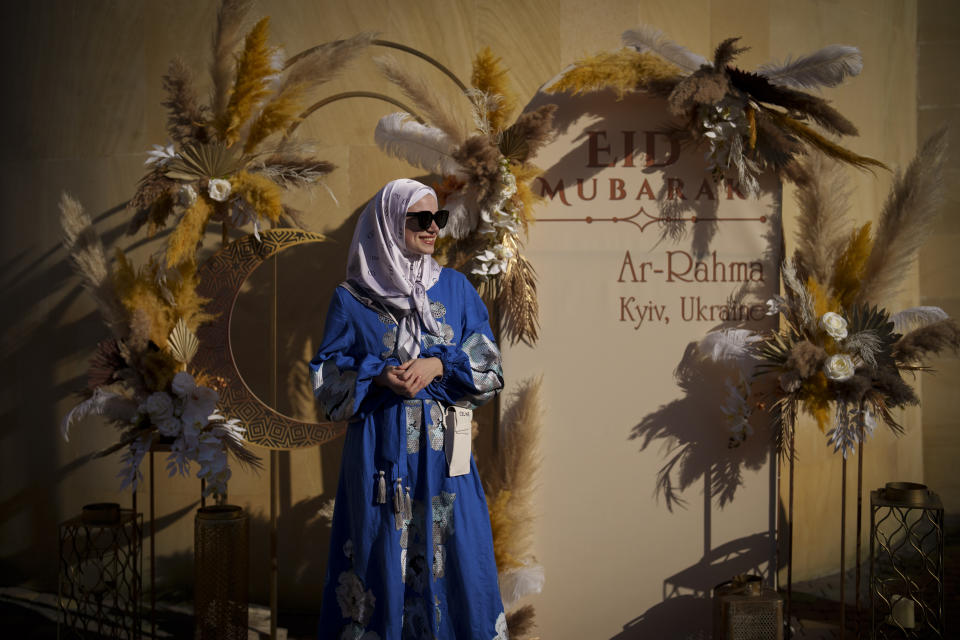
[382, 489]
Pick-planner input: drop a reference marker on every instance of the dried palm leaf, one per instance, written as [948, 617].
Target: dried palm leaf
[290, 171]
[814, 139]
[728, 344]
[648, 38]
[236, 445]
[518, 298]
[906, 221]
[183, 342]
[199, 161]
[434, 109]
[104, 364]
[826, 67]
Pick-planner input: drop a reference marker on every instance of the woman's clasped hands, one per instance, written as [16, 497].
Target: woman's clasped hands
[409, 378]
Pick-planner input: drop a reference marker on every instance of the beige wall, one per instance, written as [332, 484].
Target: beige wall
[938, 101]
[84, 105]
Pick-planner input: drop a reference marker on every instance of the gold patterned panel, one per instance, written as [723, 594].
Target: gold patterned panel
[221, 277]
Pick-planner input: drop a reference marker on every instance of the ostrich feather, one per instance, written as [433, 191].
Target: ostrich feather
[648, 38]
[916, 317]
[437, 111]
[519, 582]
[108, 403]
[826, 67]
[421, 145]
[464, 218]
[728, 344]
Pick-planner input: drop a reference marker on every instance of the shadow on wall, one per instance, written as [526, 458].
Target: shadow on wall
[686, 611]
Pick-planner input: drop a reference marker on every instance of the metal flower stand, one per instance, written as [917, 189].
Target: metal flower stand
[100, 573]
[906, 562]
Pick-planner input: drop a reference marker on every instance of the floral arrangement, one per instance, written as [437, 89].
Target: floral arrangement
[228, 163]
[840, 354]
[749, 121]
[486, 180]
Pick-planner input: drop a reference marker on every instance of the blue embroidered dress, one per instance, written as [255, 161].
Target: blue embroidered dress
[411, 554]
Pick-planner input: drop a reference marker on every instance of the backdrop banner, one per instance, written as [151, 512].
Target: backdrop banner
[647, 476]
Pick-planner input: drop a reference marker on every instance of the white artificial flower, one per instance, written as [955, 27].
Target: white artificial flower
[219, 189]
[199, 405]
[159, 406]
[183, 383]
[839, 367]
[160, 155]
[834, 324]
[186, 196]
[169, 426]
[501, 627]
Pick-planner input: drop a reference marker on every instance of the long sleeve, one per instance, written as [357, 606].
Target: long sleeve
[472, 372]
[342, 379]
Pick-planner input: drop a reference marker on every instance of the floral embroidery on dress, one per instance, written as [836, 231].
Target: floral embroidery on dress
[413, 548]
[355, 602]
[439, 311]
[485, 367]
[416, 623]
[442, 529]
[389, 340]
[414, 413]
[501, 628]
[334, 389]
[436, 425]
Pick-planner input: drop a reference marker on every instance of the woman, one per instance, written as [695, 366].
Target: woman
[411, 554]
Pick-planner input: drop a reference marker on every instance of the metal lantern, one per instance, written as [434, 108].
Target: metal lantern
[744, 610]
[906, 562]
[220, 547]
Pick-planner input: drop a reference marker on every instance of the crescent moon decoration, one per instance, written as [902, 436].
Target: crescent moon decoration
[221, 278]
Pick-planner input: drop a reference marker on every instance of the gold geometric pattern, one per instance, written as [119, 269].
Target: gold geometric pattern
[221, 278]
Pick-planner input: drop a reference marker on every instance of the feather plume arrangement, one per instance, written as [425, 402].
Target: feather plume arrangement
[234, 154]
[521, 581]
[485, 180]
[229, 163]
[750, 121]
[838, 356]
[520, 622]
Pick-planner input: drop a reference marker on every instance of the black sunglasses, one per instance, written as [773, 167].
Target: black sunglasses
[424, 218]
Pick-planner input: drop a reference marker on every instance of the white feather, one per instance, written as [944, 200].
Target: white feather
[827, 67]
[101, 402]
[422, 146]
[647, 38]
[520, 582]
[917, 318]
[464, 215]
[728, 344]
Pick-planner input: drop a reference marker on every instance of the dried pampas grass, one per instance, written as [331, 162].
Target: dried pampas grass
[231, 21]
[849, 267]
[188, 234]
[535, 128]
[906, 221]
[434, 109]
[623, 71]
[512, 477]
[251, 83]
[185, 114]
[87, 255]
[823, 199]
[490, 78]
[263, 195]
[520, 623]
[933, 338]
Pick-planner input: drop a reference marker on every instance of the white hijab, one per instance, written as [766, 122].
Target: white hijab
[380, 265]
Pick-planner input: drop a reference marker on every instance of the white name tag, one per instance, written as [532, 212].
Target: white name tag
[457, 440]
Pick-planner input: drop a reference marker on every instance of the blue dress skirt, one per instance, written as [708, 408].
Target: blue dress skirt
[411, 554]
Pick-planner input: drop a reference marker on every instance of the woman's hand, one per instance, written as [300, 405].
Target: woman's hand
[409, 378]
